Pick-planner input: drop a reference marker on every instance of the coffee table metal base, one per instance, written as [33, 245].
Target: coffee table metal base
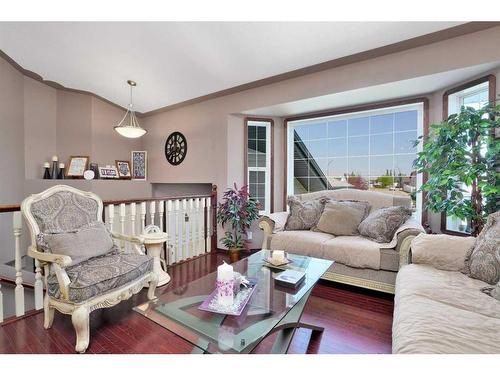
[286, 329]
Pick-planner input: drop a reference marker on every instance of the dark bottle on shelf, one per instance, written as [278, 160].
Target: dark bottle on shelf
[46, 173]
[55, 168]
[60, 176]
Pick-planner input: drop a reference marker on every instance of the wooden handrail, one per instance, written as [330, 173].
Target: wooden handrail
[17, 207]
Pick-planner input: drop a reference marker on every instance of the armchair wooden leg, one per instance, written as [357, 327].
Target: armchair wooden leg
[80, 320]
[48, 313]
[152, 286]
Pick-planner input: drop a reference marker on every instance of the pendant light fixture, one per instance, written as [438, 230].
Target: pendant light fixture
[129, 126]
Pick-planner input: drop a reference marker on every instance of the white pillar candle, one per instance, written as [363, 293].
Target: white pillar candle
[225, 284]
[278, 255]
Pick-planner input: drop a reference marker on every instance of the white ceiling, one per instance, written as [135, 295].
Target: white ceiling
[387, 91]
[177, 61]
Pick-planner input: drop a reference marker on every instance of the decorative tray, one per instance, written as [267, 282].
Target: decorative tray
[240, 301]
[273, 263]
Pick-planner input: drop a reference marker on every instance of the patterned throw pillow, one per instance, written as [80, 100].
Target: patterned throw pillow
[381, 224]
[341, 218]
[90, 241]
[304, 214]
[493, 291]
[483, 260]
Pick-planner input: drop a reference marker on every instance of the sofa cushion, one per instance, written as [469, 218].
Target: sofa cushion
[87, 242]
[440, 311]
[96, 276]
[341, 218]
[483, 260]
[381, 224]
[353, 251]
[304, 215]
[441, 251]
[303, 242]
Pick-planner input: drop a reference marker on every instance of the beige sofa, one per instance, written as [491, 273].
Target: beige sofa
[438, 309]
[358, 260]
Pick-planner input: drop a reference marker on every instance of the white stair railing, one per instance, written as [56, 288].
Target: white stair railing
[187, 220]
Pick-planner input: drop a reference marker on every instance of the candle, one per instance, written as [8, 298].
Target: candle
[54, 158]
[225, 284]
[61, 165]
[278, 255]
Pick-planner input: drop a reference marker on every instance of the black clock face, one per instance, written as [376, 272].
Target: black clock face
[175, 148]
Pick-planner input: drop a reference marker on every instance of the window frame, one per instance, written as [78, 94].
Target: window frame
[271, 157]
[491, 79]
[424, 101]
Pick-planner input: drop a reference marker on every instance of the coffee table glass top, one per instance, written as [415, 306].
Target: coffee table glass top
[217, 333]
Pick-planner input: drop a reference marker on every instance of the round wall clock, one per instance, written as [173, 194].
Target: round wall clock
[175, 148]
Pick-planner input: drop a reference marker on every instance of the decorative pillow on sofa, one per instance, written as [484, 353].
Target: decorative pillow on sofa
[381, 224]
[90, 241]
[483, 260]
[341, 218]
[304, 214]
[493, 291]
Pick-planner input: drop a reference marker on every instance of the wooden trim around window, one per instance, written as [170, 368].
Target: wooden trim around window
[491, 79]
[353, 109]
[245, 154]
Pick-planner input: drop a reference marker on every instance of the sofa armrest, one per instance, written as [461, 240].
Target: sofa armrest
[441, 251]
[405, 236]
[270, 224]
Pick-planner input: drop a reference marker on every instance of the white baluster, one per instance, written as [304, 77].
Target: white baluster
[143, 215]
[111, 216]
[194, 227]
[209, 224]
[178, 228]
[185, 231]
[200, 244]
[19, 291]
[161, 210]
[122, 218]
[152, 211]
[202, 226]
[132, 218]
[171, 233]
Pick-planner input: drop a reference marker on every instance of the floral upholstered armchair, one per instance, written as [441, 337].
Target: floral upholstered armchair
[85, 265]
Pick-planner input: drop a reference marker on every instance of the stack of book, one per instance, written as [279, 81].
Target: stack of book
[290, 278]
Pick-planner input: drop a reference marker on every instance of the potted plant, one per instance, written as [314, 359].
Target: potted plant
[459, 157]
[236, 213]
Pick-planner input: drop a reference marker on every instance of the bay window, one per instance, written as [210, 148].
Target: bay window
[368, 149]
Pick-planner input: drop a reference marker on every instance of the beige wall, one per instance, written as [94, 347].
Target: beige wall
[38, 121]
[214, 127]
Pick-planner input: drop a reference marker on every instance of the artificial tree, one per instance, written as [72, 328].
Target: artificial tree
[236, 213]
[461, 153]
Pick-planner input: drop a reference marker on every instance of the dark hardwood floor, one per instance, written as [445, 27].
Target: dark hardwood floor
[355, 321]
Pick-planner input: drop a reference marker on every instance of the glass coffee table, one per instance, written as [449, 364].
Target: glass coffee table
[270, 309]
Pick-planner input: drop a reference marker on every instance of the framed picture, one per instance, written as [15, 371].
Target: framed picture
[139, 165]
[77, 166]
[108, 172]
[123, 167]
